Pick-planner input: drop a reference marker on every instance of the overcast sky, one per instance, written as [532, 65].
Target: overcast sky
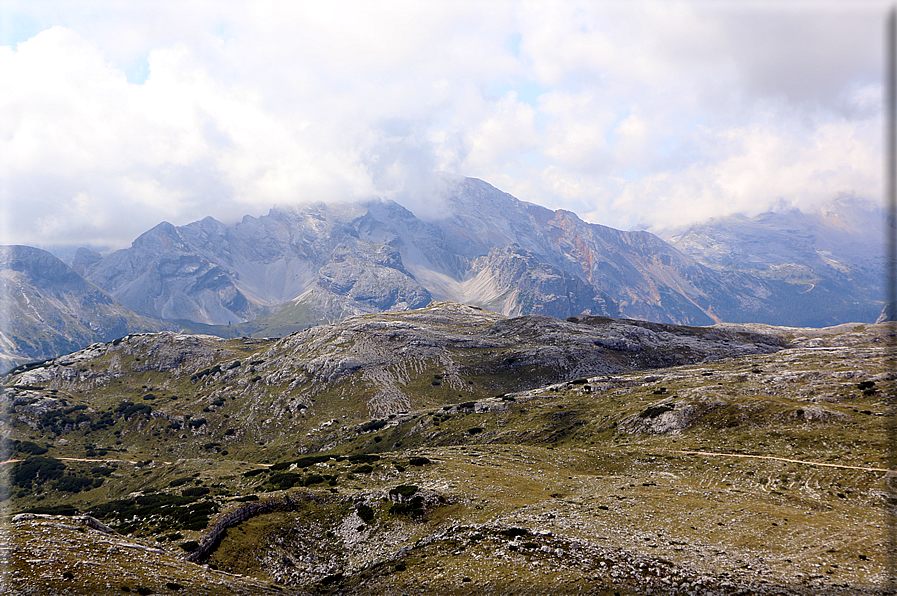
[115, 116]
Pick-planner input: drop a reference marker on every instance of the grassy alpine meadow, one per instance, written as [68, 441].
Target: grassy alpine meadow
[170, 463]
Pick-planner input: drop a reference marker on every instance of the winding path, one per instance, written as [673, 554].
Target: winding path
[793, 461]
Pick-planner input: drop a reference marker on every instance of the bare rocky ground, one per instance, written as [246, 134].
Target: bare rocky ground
[761, 472]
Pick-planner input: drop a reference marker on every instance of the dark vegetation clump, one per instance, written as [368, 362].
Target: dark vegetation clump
[170, 511]
[418, 461]
[195, 491]
[655, 411]
[35, 471]
[365, 512]
[285, 480]
[373, 425]
[75, 484]
[403, 490]
[313, 479]
[414, 508]
[28, 447]
[867, 387]
[205, 372]
[53, 510]
[364, 458]
[129, 410]
[332, 579]
[57, 420]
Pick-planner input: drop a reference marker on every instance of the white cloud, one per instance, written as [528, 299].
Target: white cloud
[645, 111]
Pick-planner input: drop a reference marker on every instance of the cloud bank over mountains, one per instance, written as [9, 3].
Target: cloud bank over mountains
[115, 116]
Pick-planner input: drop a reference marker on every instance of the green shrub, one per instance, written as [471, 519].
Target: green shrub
[414, 508]
[365, 512]
[190, 545]
[53, 510]
[373, 425]
[313, 479]
[129, 410]
[403, 490]
[74, 484]
[205, 372]
[36, 469]
[363, 469]
[195, 491]
[167, 510]
[364, 458]
[285, 480]
[28, 447]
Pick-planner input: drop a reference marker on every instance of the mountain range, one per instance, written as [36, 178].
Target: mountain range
[320, 262]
